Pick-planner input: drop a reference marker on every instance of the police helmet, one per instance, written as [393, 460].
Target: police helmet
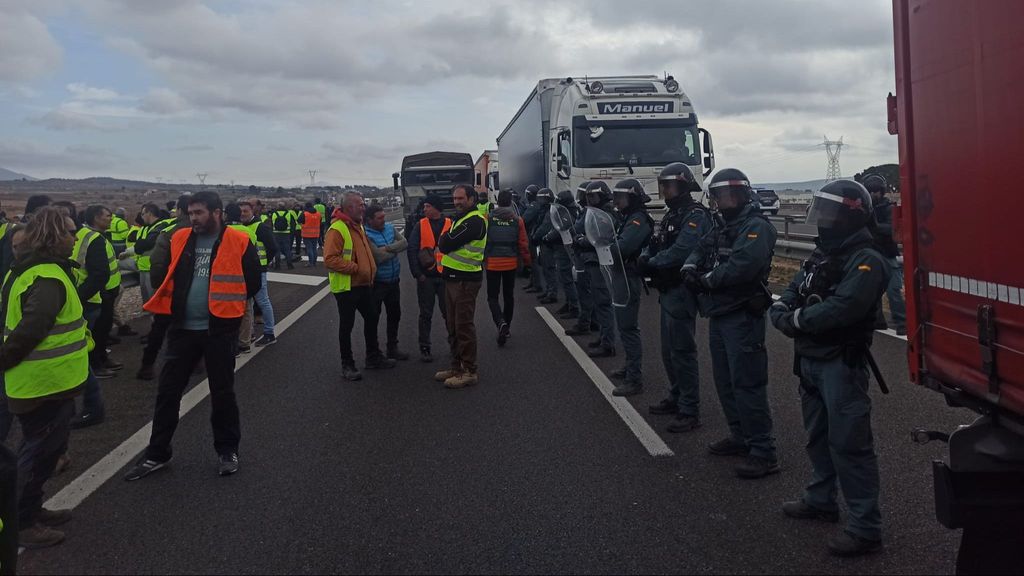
[565, 198]
[842, 206]
[633, 188]
[545, 194]
[600, 189]
[531, 192]
[731, 181]
[581, 192]
[876, 183]
[679, 172]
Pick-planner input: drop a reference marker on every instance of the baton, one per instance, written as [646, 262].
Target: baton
[874, 370]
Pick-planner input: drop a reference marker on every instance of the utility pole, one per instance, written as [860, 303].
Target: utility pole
[312, 177]
[202, 178]
[832, 149]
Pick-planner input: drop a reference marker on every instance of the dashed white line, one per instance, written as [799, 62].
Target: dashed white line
[636, 423]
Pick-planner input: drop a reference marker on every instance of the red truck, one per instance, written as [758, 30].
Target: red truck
[959, 114]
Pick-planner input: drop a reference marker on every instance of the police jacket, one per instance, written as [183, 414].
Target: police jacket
[735, 260]
[635, 231]
[849, 281]
[882, 229]
[679, 232]
[532, 216]
[544, 228]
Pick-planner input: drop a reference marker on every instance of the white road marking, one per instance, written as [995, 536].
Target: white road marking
[295, 279]
[636, 423]
[89, 481]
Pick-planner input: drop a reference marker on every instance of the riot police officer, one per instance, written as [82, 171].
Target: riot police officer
[531, 218]
[584, 293]
[732, 266]
[679, 232]
[829, 310]
[634, 233]
[882, 229]
[599, 197]
[562, 260]
[548, 248]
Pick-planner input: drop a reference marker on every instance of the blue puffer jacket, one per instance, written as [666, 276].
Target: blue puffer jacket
[386, 271]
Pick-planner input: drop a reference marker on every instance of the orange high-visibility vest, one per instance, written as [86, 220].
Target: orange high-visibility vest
[427, 239]
[311, 225]
[227, 279]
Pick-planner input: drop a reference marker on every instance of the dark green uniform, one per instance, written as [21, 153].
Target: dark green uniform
[635, 231]
[599, 295]
[834, 317]
[739, 255]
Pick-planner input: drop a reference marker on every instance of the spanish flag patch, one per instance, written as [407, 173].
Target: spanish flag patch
[751, 236]
[691, 224]
[864, 268]
[637, 222]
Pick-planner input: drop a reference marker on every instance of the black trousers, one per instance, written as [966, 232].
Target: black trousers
[428, 292]
[8, 510]
[155, 340]
[45, 432]
[358, 299]
[388, 295]
[501, 283]
[184, 350]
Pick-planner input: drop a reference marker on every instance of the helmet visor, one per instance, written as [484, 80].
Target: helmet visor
[825, 210]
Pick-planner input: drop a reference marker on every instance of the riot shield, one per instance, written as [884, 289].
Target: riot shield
[599, 228]
[562, 221]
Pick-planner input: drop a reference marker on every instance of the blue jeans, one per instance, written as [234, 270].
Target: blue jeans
[284, 249]
[262, 299]
[837, 416]
[311, 246]
[92, 400]
[897, 306]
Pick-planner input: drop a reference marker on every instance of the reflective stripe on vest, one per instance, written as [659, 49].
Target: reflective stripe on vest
[311, 225]
[470, 257]
[227, 280]
[61, 361]
[342, 282]
[261, 249]
[427, 239]
[158, 227]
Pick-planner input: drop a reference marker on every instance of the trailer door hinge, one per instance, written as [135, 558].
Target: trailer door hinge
[987, 342]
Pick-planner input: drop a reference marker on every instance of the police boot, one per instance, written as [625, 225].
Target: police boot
[668, 406]
[577, 330]
[846, 545]
[619, 374]
[350, 372]
[570, 314]
[802, 511]
[564, 309]
[425, 355]
[628, 389]
[601, 352]
[683, 423]
[595, 344]
[755, 467]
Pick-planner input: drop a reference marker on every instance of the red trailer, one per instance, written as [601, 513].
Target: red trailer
[959, 114]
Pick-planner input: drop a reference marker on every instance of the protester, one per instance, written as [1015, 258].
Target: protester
[386, 243]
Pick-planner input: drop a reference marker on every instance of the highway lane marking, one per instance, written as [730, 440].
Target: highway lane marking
[99, 473]
[636, 423]
[295, 279]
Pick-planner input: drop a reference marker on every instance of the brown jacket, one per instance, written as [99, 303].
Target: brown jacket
[362, 268]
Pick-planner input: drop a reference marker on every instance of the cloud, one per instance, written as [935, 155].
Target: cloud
[46, 162]
[163, 101]
[80, 91]
[194, 148]
[65, 120]
[27, 49]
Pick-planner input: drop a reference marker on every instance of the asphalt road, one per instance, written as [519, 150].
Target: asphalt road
[531, 471]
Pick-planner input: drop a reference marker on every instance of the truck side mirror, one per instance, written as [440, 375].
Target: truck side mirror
[563, 167]
[708, 148]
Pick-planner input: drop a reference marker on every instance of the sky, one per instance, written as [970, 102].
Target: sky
[261, 91]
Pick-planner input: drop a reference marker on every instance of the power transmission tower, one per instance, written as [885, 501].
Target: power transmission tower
[833, 148]
[312, 177]
[202, 178]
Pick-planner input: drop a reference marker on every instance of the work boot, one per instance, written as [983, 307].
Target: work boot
[603, 353]
[684, 423]
[461, 380]
[444, 375]
[503, 333]
[38, 536]
[620, 373]
[395, 354]
[628, 389]
[846, 545]
[53, 518]
[666, 407]
[571, 314]
[577, 330]
[379, 362]
[802, 511]
[350, 372]
[425, 355]
[729, 447]
[755, 467]
[145, 372]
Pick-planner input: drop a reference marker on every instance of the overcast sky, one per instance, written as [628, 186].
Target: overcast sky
[263, 90]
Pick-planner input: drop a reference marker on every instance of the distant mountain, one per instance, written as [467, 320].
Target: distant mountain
[6, 174]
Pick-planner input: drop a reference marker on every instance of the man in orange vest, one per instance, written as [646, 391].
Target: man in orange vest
[425, 266]
[310, 221]
[213, 271]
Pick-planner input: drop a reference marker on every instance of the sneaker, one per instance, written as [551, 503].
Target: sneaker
[63, 465]
[425, 356]
[847, 545]
[38, 536]
[461, 380]
[379, 362]
[145, 372]
[243, 349]
[351, 373]
[755, 467]
[395, 354]
[265, 340]
[113, 365]
[228, 464]
[577, 330]
[666, 407]
[86, 419]
[603, 353]
[729, 447]
[444, 375]
[802, 511]
[103, 373]
[503, 333]
[53, 518]
[620, 373]
[628, 389]
[684, 424]
[145, 467]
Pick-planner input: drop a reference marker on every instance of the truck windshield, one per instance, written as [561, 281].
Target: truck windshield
[655, 144]
[432, 177]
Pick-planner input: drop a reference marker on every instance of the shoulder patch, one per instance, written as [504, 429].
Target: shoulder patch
[864, 268]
